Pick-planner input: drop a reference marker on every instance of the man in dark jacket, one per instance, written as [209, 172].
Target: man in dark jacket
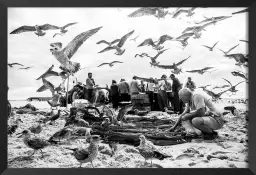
[176, 86]
[114, 94]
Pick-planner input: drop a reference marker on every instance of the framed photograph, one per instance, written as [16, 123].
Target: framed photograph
[80, 83]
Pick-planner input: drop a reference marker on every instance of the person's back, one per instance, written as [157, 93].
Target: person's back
[123, 87]
[134, 87]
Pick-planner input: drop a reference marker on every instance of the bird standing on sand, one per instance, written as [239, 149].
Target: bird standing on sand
[119, 51]
[34, 142]
[89, 154]
[64, 55]
[110, 64]
[225, 53]
[210, 48]
[13, 127]
[38, 29]
[80, 132]
[11, 64]
[158, 12]
[36, 129]
[64, 133]
[62, 29]
[148, 150]
[55, 117]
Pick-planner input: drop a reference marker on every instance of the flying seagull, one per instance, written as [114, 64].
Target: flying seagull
[191, 29]
[212, 19]
[119, 51]
[38, 29]
[141, 55]
[200, 71]
[47, 85]
[110, 64]
[215, 96]
[62, 29]
[48, 73]
[204, 87]
[134, 39]
[240, 74]
[108, 43]
[161, 40]
[218, 87]
[239, 58]
[189, 12]
[147, 11]
[26, 68]
[11, 64]
[198, 31]
[153, 59]
[174, 66]
[225, 53]
[232, 88]
[64, 55]
[211, 48]
[241, 11]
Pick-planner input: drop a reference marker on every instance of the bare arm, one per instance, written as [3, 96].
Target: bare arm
[187, 110]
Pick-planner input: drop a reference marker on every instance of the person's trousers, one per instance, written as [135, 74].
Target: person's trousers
[176, 102]
[90, 95]
[115, 101]
[162, 99]
[125, 97]
[151, 99]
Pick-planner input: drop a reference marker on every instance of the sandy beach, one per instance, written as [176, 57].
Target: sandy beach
[229, 150]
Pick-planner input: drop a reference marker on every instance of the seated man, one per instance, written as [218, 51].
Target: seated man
[199, 121]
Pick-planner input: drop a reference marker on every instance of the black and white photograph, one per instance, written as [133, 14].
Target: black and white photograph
[128, 87]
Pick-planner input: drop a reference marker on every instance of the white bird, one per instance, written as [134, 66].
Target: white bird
[189, 12]
[146, 11]
[62, 29]
[64, 55]
[225, 53]
[110, 64]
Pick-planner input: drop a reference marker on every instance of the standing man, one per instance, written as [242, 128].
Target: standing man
[114, 94]
[142, 86]
[150, 92]
[168, 89]
[176, 86]
[90, 84]
[190, 84]
[134, 86]
[124, 90]
[162, 97]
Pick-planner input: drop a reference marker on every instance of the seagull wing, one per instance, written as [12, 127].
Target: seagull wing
[69, 24]
[124, 38]
[207, 68]
[42, 88]
[179, 12]
[205, 25]
[227, 81]
[56, 34]
[148, 41]
[48, 27]
[165, 66]
[103, 41]
[106, 49]
[23, 29]
[244, 41]
[232, 48]
[207, 46]
[192, 71]
[115, 41]
[72, 47]
[37, 143]
[187, 29]
[215, 44]
[143, 12]
[179, 63]
[241, 11]
[163, 38]
[185, 35]
[17, 64]
[82, 154]
[116, 62]
[46, 72]
[103, 64]
[239, 83]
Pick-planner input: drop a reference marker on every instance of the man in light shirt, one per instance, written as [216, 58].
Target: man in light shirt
[134, 86]
[200, 117]
[162, 98]
[150, 92]
[90, 84]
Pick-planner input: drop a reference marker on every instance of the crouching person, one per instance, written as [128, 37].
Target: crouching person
[200, 118]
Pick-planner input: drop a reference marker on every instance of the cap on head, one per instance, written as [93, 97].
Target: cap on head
[164, 76]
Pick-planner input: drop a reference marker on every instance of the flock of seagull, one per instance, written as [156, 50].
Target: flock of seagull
[68, 67]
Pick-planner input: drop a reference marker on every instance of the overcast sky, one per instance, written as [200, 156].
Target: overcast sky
[31, 50]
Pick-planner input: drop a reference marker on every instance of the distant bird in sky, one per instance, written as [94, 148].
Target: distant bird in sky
[244, 41]
[225, 53]
[200, 71]
[64, 133]
[110, 64]
[180, 11]
[48, 73]
[64, 55]
[197, 32]
[108, 43]
[218, 87]
[141, 55]
[153, 59]
[158, 12]
[210, 48]
[63, 29]
[232, 88]
[26, 68]
[12, 64]
[38, 29]
[240, 74]
[241, 11]
[158, 47]
[174, 66]
[119, 51]
[213, 19]
[215, 96]
[134, 39]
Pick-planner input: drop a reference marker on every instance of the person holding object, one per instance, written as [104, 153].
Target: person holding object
[200, 117]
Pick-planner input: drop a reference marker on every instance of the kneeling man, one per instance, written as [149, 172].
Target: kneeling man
[200, 116]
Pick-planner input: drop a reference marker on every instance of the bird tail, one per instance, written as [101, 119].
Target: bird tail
[72, 149]
[160, 155]
[51, 141]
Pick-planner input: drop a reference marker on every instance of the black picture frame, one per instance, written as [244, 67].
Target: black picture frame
[4, 4]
